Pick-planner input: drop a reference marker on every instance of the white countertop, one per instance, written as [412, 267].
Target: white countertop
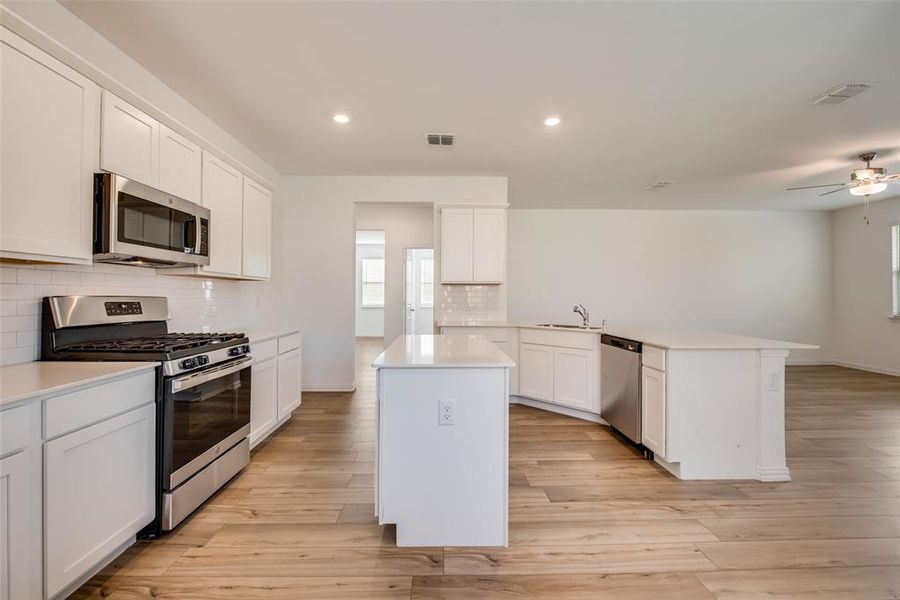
[672, 339]
[263, 334]
[27, 380]
[442, 351]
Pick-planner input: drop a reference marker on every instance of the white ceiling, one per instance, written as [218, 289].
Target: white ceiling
[711, 95]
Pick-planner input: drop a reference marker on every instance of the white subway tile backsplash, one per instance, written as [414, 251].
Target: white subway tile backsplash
[472, 302]
[194, 304]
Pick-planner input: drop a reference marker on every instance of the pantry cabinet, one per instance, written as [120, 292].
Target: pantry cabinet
[223, 192]
[129, 141]
[473, 245]
[49, 148]
[180, 164]
[257, 231]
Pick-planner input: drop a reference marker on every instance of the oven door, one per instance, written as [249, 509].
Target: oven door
[206, 413]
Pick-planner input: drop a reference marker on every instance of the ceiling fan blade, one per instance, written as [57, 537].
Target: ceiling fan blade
[893, 177]
[809, 187]
[832, 191]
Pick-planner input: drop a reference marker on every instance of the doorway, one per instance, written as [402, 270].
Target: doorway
[418, 291]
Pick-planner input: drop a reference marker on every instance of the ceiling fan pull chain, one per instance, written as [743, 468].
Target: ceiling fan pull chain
[866, 212]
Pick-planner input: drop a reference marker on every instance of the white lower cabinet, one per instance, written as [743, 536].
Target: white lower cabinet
[98, 493]
[263, 399]
[288, 382]
[536, 371]
[573, 372]
[653, 410]
[17, 542]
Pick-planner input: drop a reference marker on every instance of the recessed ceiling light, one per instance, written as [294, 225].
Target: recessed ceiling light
[341, 118]
[552, 121]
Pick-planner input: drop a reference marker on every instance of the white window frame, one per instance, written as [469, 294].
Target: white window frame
[895, 268]
[363, 274]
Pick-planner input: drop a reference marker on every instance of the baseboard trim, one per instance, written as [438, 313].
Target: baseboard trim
[823, 362]
[329, 387]
[773, 474]
[865, 367]
[556, 408]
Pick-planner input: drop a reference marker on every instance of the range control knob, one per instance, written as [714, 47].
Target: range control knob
[202, 360]
[188, 363]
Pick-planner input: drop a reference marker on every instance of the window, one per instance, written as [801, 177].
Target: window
[895, 265]
[426, 282]
[373, 283]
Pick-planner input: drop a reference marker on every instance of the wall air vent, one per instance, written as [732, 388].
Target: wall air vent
[439, 139]
[660, 184]
[840, 93]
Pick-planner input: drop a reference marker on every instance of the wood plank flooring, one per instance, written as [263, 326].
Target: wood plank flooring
[589, 519]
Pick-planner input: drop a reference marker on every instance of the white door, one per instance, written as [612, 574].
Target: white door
[16, 537]
[653, 410]
[223, 192]
[263, 399]
[180, 163]
[573, 372]
[50, 147]
[288, 382]
[489, 245]
[99, 491]
[456, 245]
[129, 141]
[257, 251]
[536, 371]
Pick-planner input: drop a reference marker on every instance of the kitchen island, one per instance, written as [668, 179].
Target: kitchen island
[442, 424]
[712, 404]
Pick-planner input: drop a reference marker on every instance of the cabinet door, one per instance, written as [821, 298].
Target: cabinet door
[263, 400]
[223, 192]
[129, 141]
[653, 410]
[288, 383]
[573, 376]
[180, 162]
[456, 244]
[98, 493]
[50, 146]
[17, 540]
[489, 246]
[257, 230]
[536, 371]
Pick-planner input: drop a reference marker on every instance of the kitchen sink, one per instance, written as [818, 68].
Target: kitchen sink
[561, 326]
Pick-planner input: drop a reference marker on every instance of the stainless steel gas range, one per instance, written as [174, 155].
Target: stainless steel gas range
[203, 389]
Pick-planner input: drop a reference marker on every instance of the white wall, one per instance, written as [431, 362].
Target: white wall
[369, 319]
[315, 262]
[404, 227]
[864, 336]
[764, 274]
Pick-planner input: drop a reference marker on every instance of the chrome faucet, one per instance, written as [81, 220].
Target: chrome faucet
[583, 313]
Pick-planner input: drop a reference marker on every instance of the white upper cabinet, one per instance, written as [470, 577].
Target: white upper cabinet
[473, 245]
[257, 244]
[180, 163]
[489, 255]
[457, 237]
[223, 191]
[129, 141]
[49, 138]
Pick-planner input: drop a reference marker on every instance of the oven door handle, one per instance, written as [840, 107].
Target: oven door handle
[189, 381]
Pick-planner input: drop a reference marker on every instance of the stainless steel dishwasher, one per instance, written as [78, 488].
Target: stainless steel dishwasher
[620, 398]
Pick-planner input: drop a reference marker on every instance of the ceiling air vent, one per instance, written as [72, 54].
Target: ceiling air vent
[660, 184]
[439, 139]
[840, 93]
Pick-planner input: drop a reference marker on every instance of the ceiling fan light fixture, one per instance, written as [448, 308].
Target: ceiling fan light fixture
[867, 189]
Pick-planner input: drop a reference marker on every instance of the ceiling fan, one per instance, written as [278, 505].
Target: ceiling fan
[863, 182]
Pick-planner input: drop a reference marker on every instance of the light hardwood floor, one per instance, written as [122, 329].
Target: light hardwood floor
[589, 519]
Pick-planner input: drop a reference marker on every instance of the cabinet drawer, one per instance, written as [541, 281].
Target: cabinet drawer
[75, 410]
[563, 339]
[264, 350]
[286, 343]
[15, 429]
[654, 357]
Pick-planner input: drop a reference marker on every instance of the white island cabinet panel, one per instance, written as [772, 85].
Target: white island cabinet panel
[99, 492]
[180, 164]
[257, 242]
[50, 147]
[223, 191]
[457, 239]
[129, 144]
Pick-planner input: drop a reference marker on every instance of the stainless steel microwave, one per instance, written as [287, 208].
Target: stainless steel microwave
[135, 224]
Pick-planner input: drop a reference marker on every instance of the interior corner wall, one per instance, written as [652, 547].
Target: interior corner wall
[865, 336]
[756, 273]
